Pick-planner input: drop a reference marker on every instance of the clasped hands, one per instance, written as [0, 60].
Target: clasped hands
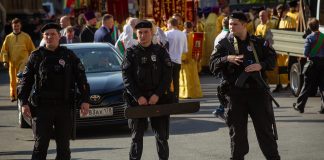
[142, 101]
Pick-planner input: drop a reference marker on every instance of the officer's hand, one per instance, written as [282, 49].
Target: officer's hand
[153, 99]
[253, 67]
[26, 111]
[5, 65]
[85, 108]
[236, 59]
[142, 101]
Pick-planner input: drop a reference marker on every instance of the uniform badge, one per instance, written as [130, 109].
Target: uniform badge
[249, 48]
[153, 57]
[62, 62]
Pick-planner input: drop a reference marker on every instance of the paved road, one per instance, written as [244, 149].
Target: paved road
[197, 136]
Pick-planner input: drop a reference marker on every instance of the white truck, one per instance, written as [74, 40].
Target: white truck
[292, 44]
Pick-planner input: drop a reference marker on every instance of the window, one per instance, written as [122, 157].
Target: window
[99, 59]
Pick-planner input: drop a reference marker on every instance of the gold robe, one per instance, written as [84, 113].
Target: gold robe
[219, 25]
[209, 37]
[15, 51]
[189, 82]
[287, 23]
[293, 15]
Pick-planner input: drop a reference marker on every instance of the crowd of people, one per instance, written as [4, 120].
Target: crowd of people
[236, 45]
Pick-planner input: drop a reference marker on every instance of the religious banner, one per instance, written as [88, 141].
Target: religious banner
[164, 9]
[190, 11]
[197, 46]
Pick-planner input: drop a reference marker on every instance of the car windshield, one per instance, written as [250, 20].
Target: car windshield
[99, 59]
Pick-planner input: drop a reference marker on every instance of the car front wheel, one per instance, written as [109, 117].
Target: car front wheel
[296, 79]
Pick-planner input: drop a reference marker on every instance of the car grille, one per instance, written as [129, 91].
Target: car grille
[117, 117]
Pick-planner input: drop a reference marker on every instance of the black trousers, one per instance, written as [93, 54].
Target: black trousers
[175, 80]
[160, 127]
[253, 102]
[312, 78]
[46, 117]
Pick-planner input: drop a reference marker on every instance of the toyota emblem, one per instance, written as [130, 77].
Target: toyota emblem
[95, 98]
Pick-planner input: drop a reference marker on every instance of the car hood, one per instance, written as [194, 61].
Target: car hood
[105, 82]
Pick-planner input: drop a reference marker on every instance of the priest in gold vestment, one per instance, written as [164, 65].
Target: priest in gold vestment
[189, 82]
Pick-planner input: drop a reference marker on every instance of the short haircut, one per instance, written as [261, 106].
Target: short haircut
[313, 24]
[187, 24]
[225, 22]
[15, 21]
[174, 22]
[106, 17]
[69, 29]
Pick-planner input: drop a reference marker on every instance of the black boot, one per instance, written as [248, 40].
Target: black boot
[299, 109]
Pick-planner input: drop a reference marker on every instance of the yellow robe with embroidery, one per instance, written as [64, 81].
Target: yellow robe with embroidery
[15, 51]
[209, 37]
[189, 83]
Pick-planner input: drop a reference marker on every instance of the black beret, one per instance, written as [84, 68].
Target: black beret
[239, 15]
[50, 26]
[89, 15]
[143, 24]
[293, 3]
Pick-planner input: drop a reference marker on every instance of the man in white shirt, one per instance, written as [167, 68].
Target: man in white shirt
[177, 45]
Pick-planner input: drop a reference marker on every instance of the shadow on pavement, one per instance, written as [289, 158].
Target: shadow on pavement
[4, 80]
[8, 108]
[192, 126]
[103, 132]
[302, 121]
[53, 151]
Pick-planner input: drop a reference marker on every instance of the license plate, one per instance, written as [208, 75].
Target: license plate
[98, 112]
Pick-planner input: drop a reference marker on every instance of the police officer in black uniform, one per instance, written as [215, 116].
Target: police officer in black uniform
[147, 76]
[53, 70]
[232, 57]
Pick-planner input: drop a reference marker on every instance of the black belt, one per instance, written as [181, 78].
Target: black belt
[248, 86]
[53, 102]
